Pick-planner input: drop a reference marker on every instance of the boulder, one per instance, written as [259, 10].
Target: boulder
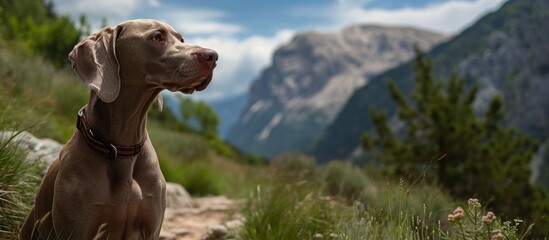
[178, 197]
[39, 150]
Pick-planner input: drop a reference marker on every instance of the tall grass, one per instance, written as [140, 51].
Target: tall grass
[187, 159]
[339, 201]
[291, 212]
[18, 178]
[300, 211]
[18, 181]
[200, 178]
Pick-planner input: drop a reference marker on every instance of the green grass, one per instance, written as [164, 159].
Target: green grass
[200, 178]
[291, 212]
[17, 185]
[287, 205]
[46, 97]
[18, 178]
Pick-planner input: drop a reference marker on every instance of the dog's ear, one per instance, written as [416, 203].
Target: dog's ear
[160, 102]
[94, 61]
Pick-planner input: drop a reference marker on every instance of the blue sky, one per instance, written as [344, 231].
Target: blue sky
[246, 32]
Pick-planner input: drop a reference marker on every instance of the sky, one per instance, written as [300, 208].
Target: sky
[245, 33]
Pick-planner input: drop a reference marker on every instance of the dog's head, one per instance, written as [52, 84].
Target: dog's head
[143, 53]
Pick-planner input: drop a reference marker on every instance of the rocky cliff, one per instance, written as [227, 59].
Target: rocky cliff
[310, 79]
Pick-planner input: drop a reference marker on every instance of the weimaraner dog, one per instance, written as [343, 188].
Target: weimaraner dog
[106, 183]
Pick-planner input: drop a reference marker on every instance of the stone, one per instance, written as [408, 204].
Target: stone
[217, 232]
[178, 197]
[39, 151]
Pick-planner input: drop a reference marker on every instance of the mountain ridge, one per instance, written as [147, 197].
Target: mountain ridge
[310, 79]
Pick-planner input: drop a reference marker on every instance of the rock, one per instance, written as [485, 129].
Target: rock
[225, 230]
[217, 232]
[40, 151]
[178, 197]
[235, 224]
[165, 235]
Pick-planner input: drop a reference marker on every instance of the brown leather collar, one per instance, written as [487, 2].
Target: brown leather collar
[100, 144]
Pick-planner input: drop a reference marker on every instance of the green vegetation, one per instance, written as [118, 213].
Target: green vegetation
[28, 25]
[476, 155]
[290, 212]
[293, 205]
[474, 223]
[18, 178]
[199, 115]
[346, 180]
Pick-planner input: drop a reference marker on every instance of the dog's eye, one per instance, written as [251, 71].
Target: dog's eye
[182, 40]
[157, 37]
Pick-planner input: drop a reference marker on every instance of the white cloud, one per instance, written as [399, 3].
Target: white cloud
[154, 3]
[446, 17]
[113, 11]
[210, 28]
[240, 61]
[199, 21]
[191, 20]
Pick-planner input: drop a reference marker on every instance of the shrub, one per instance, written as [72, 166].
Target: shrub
[202, 178]
[345, 180]
[293, 166]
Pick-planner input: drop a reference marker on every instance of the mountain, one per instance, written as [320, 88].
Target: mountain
[229, 110]
[312, 77]
[505, 51]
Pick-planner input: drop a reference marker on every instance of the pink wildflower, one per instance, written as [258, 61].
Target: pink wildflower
[456, 215]
[489, 217]
[473, 202]
[497, 235]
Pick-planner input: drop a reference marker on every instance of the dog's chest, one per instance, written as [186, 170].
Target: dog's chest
[135, 194]
[129, 192]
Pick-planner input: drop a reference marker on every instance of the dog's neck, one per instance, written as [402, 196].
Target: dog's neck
[123, 121]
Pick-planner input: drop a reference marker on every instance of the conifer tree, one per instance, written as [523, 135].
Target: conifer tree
[444, 137]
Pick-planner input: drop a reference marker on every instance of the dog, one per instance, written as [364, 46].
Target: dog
[106, 182]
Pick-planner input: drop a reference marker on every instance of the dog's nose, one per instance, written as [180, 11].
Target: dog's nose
[209, 56]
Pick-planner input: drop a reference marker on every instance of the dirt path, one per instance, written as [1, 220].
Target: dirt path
[206, 219]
